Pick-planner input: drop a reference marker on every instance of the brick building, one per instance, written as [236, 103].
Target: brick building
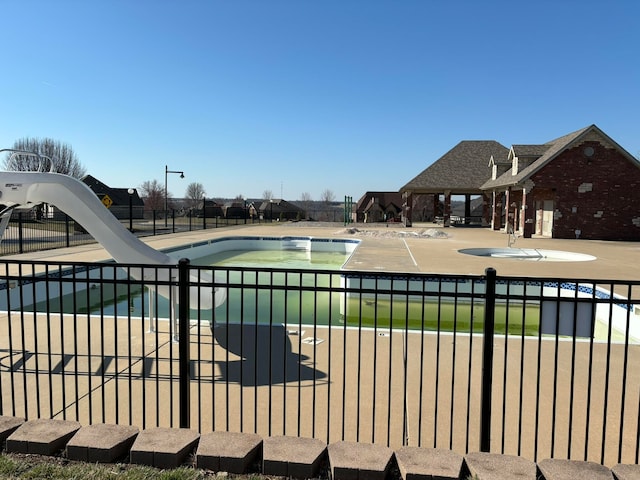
[581, 185]
[379, 207]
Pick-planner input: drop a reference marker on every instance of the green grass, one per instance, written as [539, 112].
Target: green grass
[13, 466]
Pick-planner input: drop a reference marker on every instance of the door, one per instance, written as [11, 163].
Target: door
[547, 218]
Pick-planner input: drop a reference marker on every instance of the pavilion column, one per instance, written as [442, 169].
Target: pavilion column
[447, 209]
[496, 211]
[507, 207]
[407, 209]
[467, 209]
[487, 216]
[527, 213]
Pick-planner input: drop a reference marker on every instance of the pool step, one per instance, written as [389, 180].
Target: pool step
[298, 244]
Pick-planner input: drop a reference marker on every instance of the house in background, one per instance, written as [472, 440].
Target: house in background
[278, 209]
[211, 209]
[379, 207]
[580, 185]
[116, 199]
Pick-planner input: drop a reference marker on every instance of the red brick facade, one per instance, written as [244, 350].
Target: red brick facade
[597, 195]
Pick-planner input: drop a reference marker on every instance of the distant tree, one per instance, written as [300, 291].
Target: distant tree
[195, 192]
[153, 195]
[305, 202]
[62, 156]
[239, 198]
[327, 196]
[267, 195]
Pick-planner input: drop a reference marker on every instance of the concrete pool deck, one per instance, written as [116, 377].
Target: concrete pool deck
[396, 249]
[399, 249]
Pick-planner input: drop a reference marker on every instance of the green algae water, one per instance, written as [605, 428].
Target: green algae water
[305, 297]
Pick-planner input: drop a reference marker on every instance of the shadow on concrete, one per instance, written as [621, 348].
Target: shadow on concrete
[266, 356]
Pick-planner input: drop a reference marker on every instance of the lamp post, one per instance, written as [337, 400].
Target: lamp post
[131, 191]
[166, 207]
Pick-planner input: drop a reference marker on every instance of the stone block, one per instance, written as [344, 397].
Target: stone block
[163, 447]
[292, 456]
[492, 466]
[352, 461]
[42, 436]
[101, 443]
[8, 425]
[558, 469]
[227, 451]
[626, 472]
[417, 463]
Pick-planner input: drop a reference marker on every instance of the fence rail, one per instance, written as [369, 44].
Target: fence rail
[524, 366]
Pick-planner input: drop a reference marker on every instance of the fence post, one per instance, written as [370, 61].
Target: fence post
[487, 360]
[183, 342]
[67, 232]
[20, 233]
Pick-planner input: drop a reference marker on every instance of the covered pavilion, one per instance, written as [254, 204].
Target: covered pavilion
[461, 171]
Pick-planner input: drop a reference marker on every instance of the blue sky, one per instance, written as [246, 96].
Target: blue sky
[300, 96]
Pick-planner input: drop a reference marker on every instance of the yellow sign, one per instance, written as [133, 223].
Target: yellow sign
[106, 201]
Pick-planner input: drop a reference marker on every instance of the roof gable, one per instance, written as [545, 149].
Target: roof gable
[552, 149]
[384, 199]
[119, 196]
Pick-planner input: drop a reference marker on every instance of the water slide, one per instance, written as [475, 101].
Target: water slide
[25, 189]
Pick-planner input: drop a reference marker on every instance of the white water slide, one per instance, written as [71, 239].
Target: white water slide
[26, 189]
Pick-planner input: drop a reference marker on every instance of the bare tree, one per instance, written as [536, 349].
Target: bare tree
[267, 195]
[195, 192]
[63, 158]
[306, 202]
[153, 195]
[327, 196]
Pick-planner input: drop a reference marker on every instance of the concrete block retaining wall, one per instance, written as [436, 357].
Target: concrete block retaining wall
[282, 456]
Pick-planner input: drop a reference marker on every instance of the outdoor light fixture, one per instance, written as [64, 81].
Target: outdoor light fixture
[166, 207]
[131, 191]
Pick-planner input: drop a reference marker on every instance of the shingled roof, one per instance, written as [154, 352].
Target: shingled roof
[462, 170]
[549, 151]
[529, 150]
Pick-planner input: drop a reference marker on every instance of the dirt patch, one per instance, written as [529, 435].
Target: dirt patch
[394, 233]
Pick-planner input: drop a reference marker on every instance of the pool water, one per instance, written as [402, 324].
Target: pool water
[293, 259]
[134, 300]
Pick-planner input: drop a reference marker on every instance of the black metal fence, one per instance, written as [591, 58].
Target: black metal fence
[30, 231]
[524, 366]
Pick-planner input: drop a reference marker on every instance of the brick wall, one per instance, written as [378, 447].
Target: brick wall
[598, 194]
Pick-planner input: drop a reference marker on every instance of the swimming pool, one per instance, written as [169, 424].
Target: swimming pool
[236, 256]
[302, 281]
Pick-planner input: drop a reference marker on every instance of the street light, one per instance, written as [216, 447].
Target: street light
[166, 207]
[131, 191]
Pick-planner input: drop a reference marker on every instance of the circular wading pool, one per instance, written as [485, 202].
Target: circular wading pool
[529, 254]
